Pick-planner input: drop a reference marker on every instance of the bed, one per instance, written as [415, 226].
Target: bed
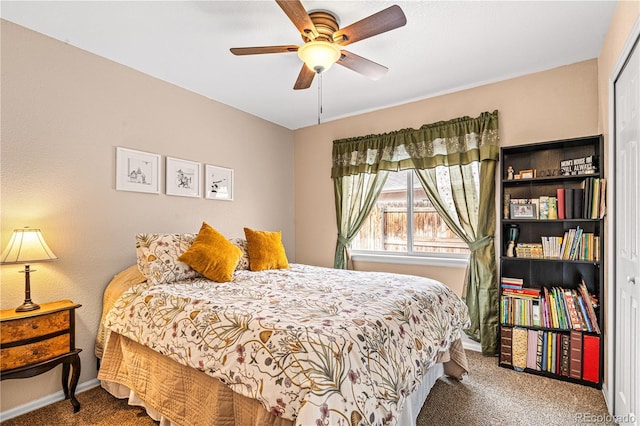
[300, 345]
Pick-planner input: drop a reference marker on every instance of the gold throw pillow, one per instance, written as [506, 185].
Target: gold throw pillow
[265, 250]
[212, 255]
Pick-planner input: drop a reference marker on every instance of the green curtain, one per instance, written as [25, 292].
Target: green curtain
[355, 197]
[455, 161]
[472, 218]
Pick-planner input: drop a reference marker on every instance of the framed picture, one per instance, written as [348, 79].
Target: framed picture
[183, 177]
[218, 183]
[523, 211]
[526, 174]
[137, 171]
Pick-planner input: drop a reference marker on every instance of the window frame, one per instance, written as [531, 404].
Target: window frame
[411, 257]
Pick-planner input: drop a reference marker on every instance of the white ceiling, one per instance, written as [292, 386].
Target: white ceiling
[446, 46]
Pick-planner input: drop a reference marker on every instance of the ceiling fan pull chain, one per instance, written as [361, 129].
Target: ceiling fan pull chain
[319, 96]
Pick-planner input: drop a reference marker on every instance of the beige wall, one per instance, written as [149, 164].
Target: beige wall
[63, 113]
[556, 104]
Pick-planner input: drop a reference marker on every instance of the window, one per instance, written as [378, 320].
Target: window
[405, 222]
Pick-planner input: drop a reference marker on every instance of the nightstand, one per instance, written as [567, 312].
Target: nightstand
[34, 342]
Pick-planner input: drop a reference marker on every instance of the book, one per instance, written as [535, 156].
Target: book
[564, 364]
[576, 303]
[505, 346]
[532, 344]
[571, 308]
[560, 197]
[575, 355]
[519, 348]
[551, 347]
[578, 200]
[525, 292]
[573, 252]
[544, 207]
[591, 358]
[509, 282]
[603, 198]
[553, 208]
[558, 353]
[589, 306]
[568, 203]
[535, 313]
[585, 314]
[594, 213]
[587, 184]
[539, 350]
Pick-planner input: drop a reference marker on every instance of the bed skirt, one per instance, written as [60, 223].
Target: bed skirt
[176, 394]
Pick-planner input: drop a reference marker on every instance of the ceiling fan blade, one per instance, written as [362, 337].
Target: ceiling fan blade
[385, 20]
[299, 16]
[362, 65]
[263, 49]
[305, 78]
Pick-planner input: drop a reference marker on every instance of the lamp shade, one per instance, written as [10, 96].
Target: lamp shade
[319, 55]
[27, 245]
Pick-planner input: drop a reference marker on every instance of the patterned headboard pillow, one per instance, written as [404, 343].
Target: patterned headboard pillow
[157, 257]
[243, 264]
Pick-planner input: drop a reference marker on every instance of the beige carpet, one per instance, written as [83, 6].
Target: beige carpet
[490, 395]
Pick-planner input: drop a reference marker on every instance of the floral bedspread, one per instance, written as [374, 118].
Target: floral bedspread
[316, 345]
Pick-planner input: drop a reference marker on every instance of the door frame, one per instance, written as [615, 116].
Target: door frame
[608, 388]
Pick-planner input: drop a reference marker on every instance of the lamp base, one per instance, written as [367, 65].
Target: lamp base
[27, 306]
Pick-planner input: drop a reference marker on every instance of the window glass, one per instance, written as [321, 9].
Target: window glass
[405, 222]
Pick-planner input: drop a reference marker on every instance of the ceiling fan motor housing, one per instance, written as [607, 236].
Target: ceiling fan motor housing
[326, 24]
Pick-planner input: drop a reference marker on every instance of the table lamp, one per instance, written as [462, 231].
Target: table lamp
[27, 245]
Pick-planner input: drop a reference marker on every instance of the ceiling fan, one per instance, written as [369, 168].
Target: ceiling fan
[323, 40]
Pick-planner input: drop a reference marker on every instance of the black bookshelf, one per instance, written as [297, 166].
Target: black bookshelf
[545, 171]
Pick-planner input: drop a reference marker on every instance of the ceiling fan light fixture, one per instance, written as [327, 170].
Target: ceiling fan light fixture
[319, 55]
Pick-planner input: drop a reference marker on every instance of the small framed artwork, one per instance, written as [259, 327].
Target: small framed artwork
[218, 183]
[523, 211]
[137, 171]
[183, 177]
[526, 174]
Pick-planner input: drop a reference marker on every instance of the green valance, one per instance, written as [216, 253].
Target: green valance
[459, 141]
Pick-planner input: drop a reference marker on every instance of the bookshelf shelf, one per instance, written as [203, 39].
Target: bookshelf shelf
[549, 220]
[533, 259]
[558, 334]
[548, 179]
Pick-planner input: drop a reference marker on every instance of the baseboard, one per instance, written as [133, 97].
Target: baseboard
[45, 400]
[607, 401]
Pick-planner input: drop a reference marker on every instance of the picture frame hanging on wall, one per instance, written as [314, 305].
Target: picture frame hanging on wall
[218, 183]
[137, 171]
[183, 177]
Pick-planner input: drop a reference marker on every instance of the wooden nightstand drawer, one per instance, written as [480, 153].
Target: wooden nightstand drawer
[34, 342]
[33, 353]
[33, 327]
